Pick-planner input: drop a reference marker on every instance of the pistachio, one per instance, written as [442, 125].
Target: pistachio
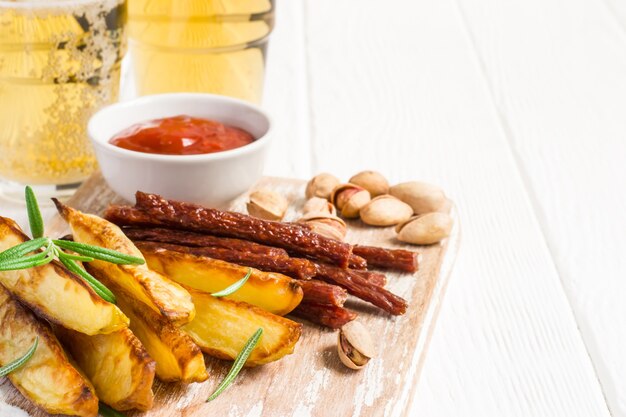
[349, 199]
[318, 205]
[267, 205]
[385, 210]
[325, 224]
[446, 207]
[354, 345]
[321, 185]
[372, 181]
[422, 197]
[425, 229]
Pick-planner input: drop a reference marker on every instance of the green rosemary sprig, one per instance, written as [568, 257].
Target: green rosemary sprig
[97, 286]
[23, 248]
[79, 258]
[96, 252]
[42, 250]
[234, 287]
[19, 362]
[240, 360]
[34, 214]
[26, 262]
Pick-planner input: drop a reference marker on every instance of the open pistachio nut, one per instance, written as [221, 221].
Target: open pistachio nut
[325, 224]
[349, 199]
[354, 345]
[267, 205]
[318, 205]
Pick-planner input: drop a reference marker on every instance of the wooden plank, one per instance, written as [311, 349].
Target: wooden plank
[311, 379]
[395, 86]
[563, 104]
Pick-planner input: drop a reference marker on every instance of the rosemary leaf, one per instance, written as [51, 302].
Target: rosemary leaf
[26, 262]
[106, 411]
[79, 258]
[234, 287]
[34, 215]
[99, 253]
[30, 258]
[240, 360]
[23, 248]
[18, 363]
[97, 286]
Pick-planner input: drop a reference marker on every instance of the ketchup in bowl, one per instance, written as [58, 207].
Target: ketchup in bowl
[181, 135]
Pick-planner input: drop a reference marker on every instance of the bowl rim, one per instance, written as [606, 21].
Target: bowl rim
[129, 104]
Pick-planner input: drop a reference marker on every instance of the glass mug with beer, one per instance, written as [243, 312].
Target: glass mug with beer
[59, 63]
[212, 46]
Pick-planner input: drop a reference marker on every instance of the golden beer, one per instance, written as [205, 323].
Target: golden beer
[214, 46]
[59, 63]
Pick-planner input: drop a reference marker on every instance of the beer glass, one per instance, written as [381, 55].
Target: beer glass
[59, 63]
[212, 46]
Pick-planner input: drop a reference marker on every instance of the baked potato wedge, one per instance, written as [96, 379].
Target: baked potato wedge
[270, 291]
[116, 363]
[49, 289]
[48, 379]
[151, 288]
[222, 327]
[177, 357]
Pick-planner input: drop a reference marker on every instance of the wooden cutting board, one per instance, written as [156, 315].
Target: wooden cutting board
[312, 381]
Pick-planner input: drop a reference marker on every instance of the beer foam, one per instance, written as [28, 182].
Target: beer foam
[46, 8]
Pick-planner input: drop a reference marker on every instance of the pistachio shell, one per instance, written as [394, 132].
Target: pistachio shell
[267, 205]
[385, 210]
[422, 197]
[354, 345]
[325, 224]
[320, 215]
[321, 185]
[318, 205]
[332, 227]
[446, 207]
[349, 198]
[425, 229]
[372, 181]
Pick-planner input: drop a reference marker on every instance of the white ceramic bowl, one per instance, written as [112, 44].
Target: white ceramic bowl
[211, 179]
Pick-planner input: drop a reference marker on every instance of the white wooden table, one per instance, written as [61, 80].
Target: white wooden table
[518, 109]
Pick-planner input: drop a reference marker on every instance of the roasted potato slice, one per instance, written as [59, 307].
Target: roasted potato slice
[116, 363]
[48, 378]
[151, 288]
[273, 292]
[222, 327]
[177, 357]
[48, 290]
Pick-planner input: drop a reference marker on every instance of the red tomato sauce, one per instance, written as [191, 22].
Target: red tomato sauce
[181, 135]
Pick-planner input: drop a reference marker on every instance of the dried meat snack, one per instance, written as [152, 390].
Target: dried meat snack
[323, 293]
[361, 288]
[393, 259]
[196, 218]
[296, 268]
[324, 315]
[375, 278]
[182, 237]
[357, 262]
